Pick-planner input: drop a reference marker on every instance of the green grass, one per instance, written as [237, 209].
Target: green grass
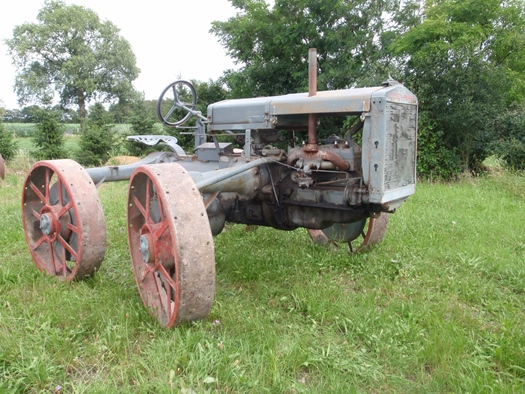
[70, 144]
[438, 307]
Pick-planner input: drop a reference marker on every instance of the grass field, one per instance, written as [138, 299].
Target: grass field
[70, 144]
[438, 307]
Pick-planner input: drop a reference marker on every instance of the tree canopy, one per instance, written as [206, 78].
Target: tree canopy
[271, 44]
[464, 59]
[71, 53]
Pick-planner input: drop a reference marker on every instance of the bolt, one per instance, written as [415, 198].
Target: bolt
[144, 248]
[45, 224]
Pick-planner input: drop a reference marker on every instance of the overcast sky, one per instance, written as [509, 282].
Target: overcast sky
[169, 38]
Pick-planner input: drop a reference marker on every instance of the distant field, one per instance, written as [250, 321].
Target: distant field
[438, 307]
[26, 143]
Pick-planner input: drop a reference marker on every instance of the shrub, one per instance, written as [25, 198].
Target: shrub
[8, 145]
[97, 139]
[49, 136]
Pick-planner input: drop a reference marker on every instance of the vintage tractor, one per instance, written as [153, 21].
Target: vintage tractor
[338, 189]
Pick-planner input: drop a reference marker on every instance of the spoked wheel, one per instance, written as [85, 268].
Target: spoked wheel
[63, 219]
[2, 167]
[176, 103]
[171, 244]
[359, 235]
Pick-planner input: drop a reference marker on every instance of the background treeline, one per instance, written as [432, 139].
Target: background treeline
[465, 61]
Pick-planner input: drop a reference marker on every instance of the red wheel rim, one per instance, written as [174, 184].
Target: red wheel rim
[63, 219]
[170, 243]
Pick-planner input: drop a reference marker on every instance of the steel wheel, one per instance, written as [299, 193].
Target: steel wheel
[171, 244]
[63, 219]
[358, 235]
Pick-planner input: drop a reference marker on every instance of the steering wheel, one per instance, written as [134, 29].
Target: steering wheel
[177, 102]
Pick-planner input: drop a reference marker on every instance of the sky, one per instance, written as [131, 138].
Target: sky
[170, 39]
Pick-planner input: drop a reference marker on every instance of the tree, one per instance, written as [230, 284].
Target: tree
[70, 52]
[49, 136]
[466, 63]
[271, 45]
[97, 138]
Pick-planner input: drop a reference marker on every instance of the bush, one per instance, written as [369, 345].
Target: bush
[510, 142]
[434, 160]
[97, 140]
[49, 136]
[8, 145]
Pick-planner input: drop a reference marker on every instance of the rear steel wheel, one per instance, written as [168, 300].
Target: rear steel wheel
[358, 235]
[171, 244]
[63, 219]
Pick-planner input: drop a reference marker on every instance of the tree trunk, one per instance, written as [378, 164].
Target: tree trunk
[82, 111]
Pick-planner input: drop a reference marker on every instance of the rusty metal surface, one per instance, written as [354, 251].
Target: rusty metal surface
[375, 233]
[2, 167]
[171, 244]
[272, 112]
[357, 235]
[323, 154]
[63, 219]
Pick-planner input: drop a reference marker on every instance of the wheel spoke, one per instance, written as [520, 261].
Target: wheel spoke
[40, 196]
[139, 206]
[161, 229]
[170, 285]
[74, 229]
[47, 190]
[175, 95]
[39, 242]
[68, 247]
[59, 191]
[147, 271]
[54, 259]
[64, 209]
[36, 214]
[170, 112]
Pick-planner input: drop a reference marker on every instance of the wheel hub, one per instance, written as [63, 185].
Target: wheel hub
[147, 250]
[46, 224]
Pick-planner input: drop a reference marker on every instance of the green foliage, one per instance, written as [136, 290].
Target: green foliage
[271, 45]
[510, 138]
[142, 122]
[70, 51]
[49, 136]
[97, 139]
[466, 70]
[8, 145]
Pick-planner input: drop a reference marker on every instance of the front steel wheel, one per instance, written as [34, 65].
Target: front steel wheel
[171, 244]
[63, 219]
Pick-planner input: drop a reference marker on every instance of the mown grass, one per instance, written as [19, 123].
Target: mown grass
[438, 307]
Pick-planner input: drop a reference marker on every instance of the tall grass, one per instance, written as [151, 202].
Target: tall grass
[438, 307]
